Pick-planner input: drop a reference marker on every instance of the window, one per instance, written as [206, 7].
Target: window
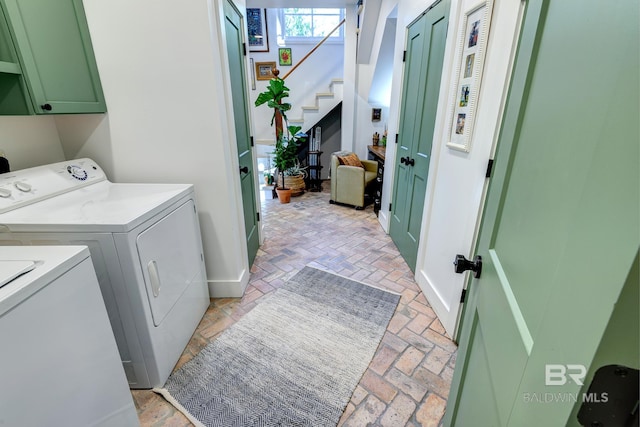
[310, 24]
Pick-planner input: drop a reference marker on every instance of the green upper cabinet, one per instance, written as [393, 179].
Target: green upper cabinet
[47, 65]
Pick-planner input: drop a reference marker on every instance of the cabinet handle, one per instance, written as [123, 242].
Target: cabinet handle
[46, 107]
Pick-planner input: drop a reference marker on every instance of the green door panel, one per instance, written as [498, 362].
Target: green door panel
[561, 226]
[54, 47]
[423, 71]
[14, 96]
[620, 344]
[233, 32]
[485, 406]
[409, 127]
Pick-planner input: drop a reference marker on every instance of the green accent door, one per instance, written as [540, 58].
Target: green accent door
[423, 70]
[52, 41]
[561, 230]
[233, 32]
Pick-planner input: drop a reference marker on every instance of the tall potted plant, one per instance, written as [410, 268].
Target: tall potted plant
[286, 148]
[286, 159]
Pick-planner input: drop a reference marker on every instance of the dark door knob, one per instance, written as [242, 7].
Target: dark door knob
[410, 162]
[46, 107]
[244, 169]
[402, 160]
[462, 264]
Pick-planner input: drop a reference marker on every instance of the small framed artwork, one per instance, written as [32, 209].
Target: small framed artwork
[264, 70]
[284, 56]
[376, 114]
[257, 27]
[472, 42]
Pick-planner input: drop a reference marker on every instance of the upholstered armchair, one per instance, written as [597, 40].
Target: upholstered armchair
[350, 178]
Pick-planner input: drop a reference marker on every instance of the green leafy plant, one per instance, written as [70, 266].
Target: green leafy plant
[296, 170]
[286, 150]
[273, 96]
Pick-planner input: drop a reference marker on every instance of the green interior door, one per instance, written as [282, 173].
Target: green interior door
[233, 32]
[561, 225]
[423, 70]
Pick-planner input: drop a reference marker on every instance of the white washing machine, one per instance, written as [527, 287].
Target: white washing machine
[145, 245]
[59, 364]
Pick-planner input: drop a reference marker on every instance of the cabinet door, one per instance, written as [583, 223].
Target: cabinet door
[54, 47]
[14, 96]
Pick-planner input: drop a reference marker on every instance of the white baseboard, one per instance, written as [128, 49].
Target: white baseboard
[229, 288]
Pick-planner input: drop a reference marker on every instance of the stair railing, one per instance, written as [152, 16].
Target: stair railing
[313, 50]
[276, 72]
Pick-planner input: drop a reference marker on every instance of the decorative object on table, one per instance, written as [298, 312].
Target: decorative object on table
[376, 138]
[257, 28]
[286, 147]
[383, 141]
[376, 114]
[472, 42]
[284, 56]
[294, 359]
[264, 70]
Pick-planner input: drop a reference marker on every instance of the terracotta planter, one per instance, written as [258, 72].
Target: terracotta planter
[284, 195]
[295, 183]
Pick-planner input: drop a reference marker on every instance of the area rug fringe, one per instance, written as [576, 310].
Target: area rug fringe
[167, 396]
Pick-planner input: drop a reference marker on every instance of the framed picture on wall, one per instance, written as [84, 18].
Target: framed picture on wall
[284, 56]
[472, 43]
[258, 32]
[264, 70]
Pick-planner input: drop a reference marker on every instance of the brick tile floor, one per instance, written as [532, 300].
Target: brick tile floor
[408, 380]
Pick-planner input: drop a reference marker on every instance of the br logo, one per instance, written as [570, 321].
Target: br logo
[558, 374]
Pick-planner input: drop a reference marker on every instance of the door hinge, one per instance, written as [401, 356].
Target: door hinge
[390, 204]
[397, 136]
[463, 296]
[244, 49]
[258, 216]
[489, 169]
[404, 56]
[251, 140]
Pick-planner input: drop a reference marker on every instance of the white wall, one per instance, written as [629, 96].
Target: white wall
[455, 196]
[163, 71]
[314, 75]
[29, 141]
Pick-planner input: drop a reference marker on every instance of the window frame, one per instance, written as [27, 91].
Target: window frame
[312, 39]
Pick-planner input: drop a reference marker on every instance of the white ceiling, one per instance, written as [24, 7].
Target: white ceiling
[300, 3]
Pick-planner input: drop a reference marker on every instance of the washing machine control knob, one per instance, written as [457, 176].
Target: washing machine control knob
[23, 186]
[5, 192]
[77, 172]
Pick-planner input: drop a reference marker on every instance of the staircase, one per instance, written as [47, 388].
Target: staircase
[309, 115]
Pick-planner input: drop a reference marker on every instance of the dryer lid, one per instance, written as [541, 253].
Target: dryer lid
[9, 270]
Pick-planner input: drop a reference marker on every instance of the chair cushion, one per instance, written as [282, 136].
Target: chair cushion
[350, 160]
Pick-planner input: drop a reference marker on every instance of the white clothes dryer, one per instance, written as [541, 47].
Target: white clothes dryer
[59, 362]
[145, 245]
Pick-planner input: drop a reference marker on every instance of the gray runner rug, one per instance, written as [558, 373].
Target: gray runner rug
[294, 360]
